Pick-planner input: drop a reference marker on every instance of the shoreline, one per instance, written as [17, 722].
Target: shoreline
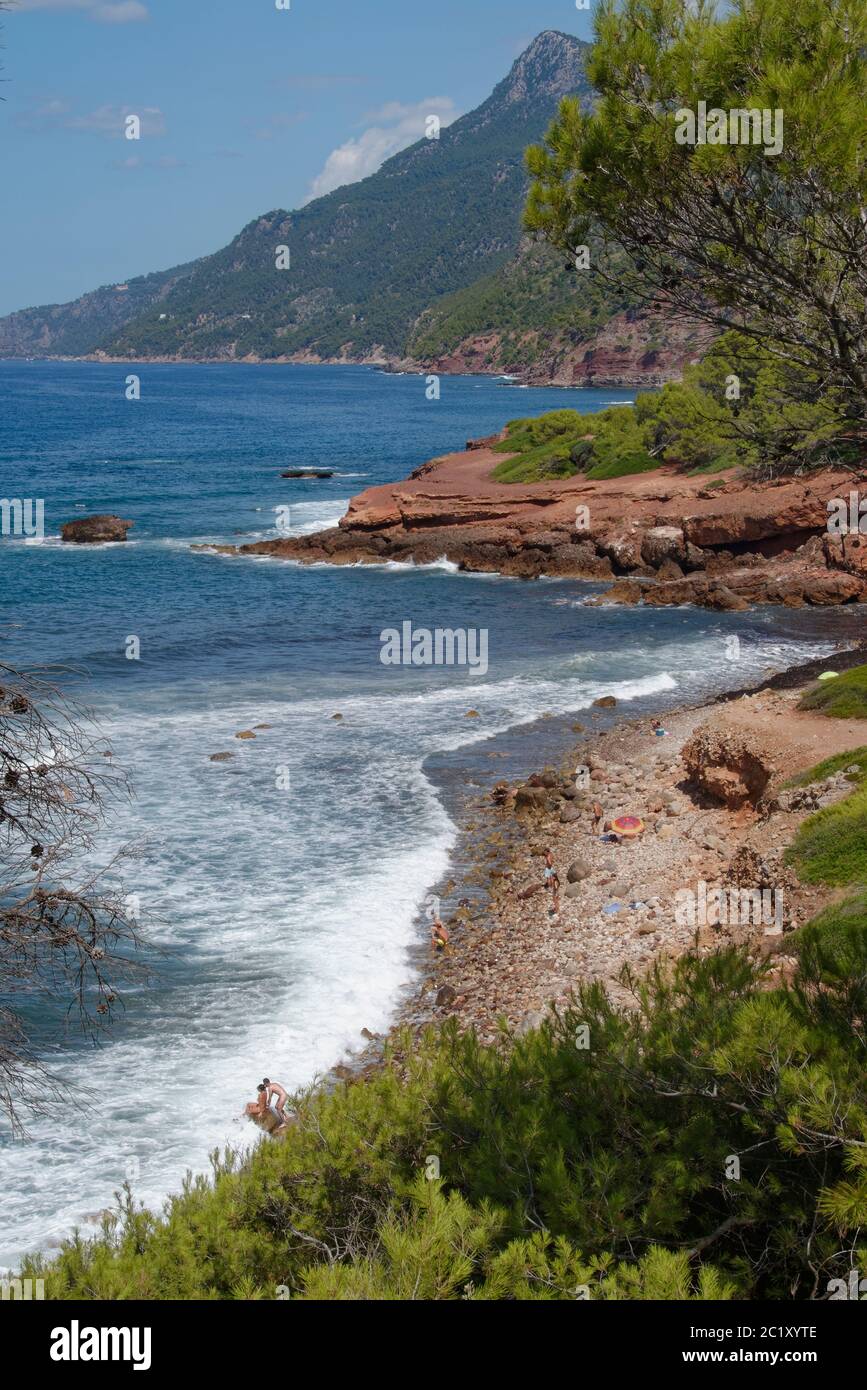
[511, 960]
[658, 538]
[389, 367]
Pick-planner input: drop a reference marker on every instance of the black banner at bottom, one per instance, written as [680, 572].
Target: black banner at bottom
[65, 1339]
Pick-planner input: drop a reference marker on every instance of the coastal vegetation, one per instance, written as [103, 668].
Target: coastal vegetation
[738, 407]
[842, 698]
[767, 242]
[709, 1144]
[533, 297]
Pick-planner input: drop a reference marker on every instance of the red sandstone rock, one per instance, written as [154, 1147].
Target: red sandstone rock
[647, 525]
[728, 766]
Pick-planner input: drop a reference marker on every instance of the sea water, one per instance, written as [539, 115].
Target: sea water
[282, 887]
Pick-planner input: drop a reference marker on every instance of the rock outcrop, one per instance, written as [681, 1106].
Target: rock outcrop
[662, 538]
[729, 767]
[95, 530]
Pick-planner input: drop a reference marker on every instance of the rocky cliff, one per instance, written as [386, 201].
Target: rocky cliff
[661, 538]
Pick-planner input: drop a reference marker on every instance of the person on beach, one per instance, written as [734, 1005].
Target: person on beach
[278, 1099]
[255, 1109]
[439, 937]
[552, 881]
[598, 815]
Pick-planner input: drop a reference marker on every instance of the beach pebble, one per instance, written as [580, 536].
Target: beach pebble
[578, 869]
[715, 843]
[246, 733]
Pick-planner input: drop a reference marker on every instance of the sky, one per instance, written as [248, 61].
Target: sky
[244, 107]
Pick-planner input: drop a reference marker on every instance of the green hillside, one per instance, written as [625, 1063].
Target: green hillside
[529, 302]
[73, 330]
[368, 259]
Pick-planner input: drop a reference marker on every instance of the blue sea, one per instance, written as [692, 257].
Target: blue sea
[284, 884]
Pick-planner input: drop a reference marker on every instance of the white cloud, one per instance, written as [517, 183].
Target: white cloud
[110, 120]
[56, 114]
[395, 126]
[105, 11]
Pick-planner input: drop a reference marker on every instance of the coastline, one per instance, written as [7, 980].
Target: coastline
[510, 960]
[660, 538]
[393, 366]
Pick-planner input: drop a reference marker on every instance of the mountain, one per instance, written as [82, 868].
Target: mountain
[421, 265]
[74, 330]
[366, 260]
[539, 319]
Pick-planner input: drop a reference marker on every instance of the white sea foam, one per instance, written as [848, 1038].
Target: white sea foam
[286, 915]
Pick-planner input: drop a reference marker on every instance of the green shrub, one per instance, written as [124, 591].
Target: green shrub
[831, 846]
[551, 1164]
[856, 758]
[845, 697]
[623, 464]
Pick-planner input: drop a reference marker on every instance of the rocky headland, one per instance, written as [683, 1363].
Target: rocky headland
[722, 541]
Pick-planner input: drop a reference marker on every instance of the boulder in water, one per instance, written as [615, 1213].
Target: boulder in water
[95, 530]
